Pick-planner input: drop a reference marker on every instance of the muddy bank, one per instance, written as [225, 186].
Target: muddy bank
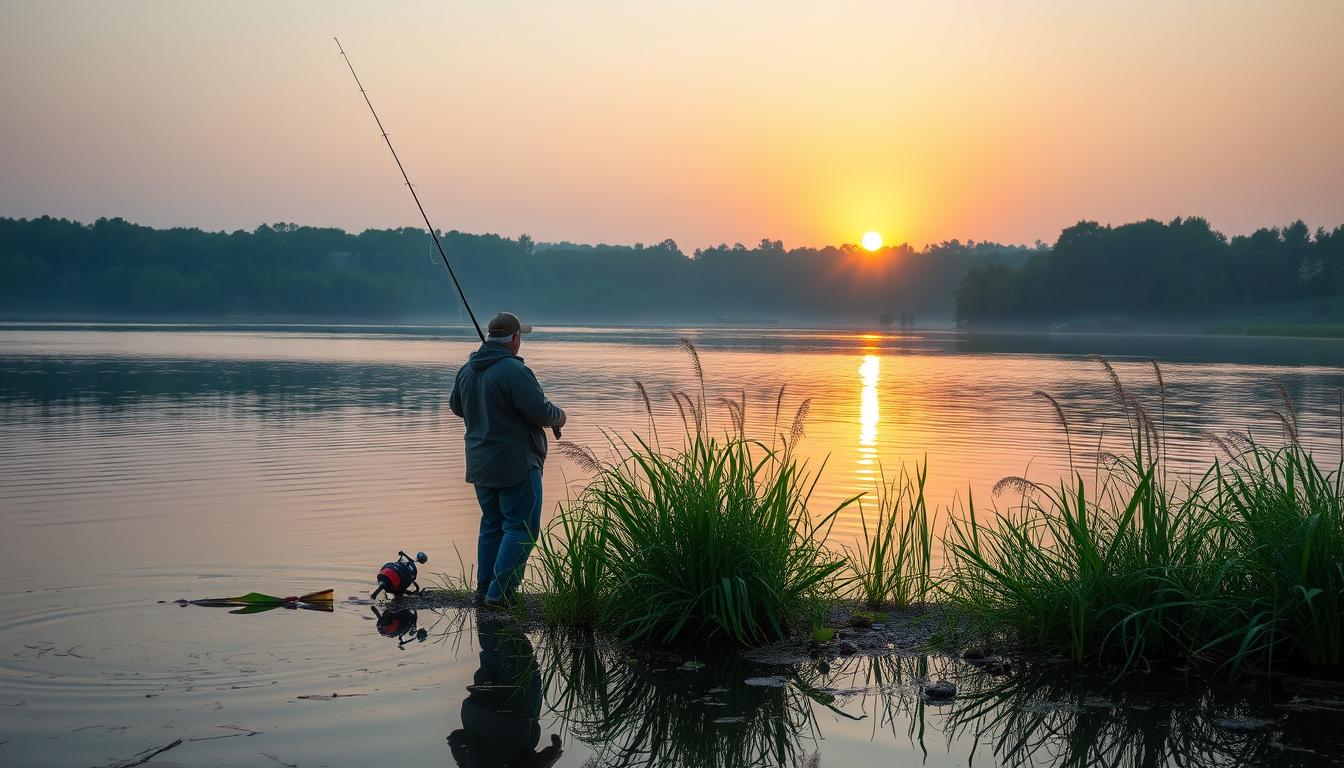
[856, 629]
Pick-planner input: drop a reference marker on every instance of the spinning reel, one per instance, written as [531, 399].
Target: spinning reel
[398, 578]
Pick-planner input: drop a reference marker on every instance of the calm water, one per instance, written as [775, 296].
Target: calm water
[146, 464]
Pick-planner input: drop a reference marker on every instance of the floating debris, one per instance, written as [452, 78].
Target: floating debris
[772, 681]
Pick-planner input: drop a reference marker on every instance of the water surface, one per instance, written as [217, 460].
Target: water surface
[144, 464]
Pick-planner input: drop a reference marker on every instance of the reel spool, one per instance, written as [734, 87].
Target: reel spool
[398, 578]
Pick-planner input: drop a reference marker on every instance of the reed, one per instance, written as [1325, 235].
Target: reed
[1243, 564]
[712, 539]
[892, 567]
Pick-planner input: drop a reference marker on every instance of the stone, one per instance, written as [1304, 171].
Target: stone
[942, 690]
[1243, 724]
[847, 648]
[975, 653]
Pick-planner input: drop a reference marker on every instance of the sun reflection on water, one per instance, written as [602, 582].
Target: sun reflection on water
[869, 411]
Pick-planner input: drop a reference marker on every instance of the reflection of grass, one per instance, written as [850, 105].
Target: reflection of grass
[1048, 717]
[646, 712]
[638, 712]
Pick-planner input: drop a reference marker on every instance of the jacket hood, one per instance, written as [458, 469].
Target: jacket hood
[489, 354]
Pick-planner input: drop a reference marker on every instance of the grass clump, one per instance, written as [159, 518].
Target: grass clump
[892, 566]
[714, 540]
[1243, 564]
[1285, 517]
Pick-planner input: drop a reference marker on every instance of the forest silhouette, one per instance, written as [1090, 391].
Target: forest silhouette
[58, 268]
[112, 268]
[1150, 268]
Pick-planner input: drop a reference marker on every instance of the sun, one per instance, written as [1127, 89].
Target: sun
[872, 240]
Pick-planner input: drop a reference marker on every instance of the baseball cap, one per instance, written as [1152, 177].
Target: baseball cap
[507, 324]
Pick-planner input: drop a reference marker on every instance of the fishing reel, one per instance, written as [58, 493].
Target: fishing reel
[398, 578]
[400, 625]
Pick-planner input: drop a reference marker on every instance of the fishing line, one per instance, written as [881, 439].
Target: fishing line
[414, 196]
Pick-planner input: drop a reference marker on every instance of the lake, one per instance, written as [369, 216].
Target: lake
[142, 464]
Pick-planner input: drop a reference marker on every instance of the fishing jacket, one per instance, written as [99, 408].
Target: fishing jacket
[505, 412]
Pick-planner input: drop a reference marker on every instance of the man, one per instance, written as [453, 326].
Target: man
[505, 412]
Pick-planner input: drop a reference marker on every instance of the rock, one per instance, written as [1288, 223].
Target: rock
[1243, 724]
[975, 653]
[940, 691]
[997, 667]
[860, 621]
[823, 667]
[847, 648]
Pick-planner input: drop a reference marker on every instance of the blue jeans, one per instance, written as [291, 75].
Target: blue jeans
[510, 523]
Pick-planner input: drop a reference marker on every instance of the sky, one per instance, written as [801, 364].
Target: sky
[706, 122]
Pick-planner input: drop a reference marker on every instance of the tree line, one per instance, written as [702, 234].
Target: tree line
[1150, 268]
[113, 268]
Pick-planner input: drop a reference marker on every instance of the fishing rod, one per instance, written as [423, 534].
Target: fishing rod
[414, 196]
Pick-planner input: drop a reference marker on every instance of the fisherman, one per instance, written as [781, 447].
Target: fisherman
[505, 411]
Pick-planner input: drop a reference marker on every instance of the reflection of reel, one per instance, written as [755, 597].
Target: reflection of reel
[399, 623]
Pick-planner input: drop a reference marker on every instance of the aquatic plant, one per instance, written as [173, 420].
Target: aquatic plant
[711, 538]
[1243, 564]
[893, 564]
[1285, 520]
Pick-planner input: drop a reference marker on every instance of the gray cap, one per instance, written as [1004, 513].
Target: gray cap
[507, 324]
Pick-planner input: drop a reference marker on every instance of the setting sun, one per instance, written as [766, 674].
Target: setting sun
[872, 240]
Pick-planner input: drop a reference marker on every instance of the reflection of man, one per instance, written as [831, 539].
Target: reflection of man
[505, 412]
[499, 716]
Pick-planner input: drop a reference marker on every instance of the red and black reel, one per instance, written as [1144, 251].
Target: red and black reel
[398, 578]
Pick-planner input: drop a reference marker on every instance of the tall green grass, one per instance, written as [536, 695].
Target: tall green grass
[710, 539]
[892, 566]
[1242, 564]
[1285, 518]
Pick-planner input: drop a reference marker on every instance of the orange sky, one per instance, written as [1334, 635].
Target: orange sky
[621, 122]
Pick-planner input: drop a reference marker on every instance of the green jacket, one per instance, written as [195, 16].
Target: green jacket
[505, 411]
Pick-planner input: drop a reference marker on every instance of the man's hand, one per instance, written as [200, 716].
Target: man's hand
[555, 428]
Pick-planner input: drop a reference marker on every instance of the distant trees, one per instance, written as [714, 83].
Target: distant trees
[1182, 267]
[56, 267]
